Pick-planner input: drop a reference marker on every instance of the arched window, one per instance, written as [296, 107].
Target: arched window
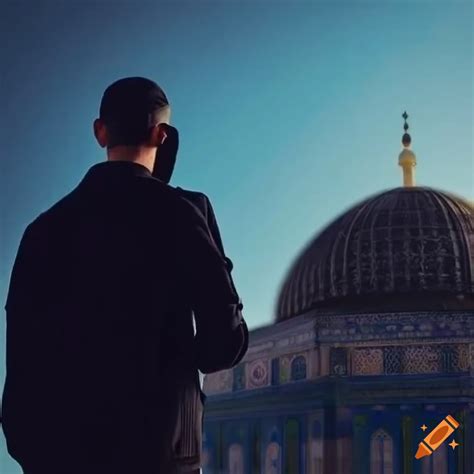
[338, 361]
[298, 368]
[316, 447]
[437, 463]
[236, 459]
[275, 371]
[273, 456]
[447, 359]
[381, 453]
[256, 448]
[239, 377]
[292, 446]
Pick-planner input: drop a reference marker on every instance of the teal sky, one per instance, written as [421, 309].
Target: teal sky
[289, 112]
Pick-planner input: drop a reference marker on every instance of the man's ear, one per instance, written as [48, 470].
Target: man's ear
[100, 132]
[159, 134]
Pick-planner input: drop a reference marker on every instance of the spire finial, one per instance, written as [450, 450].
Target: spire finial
[407, 159]
[406, 139]
[405, 116]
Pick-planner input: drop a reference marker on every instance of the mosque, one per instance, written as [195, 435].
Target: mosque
[371, 348]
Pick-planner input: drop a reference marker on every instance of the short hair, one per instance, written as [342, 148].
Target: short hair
[130, 107]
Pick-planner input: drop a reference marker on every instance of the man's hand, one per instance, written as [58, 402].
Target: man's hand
[166, 155]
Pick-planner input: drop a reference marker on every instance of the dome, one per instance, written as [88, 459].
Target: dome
[409, 247]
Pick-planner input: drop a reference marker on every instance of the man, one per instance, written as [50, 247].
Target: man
[102, 359]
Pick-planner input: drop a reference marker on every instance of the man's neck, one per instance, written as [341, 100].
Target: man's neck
[142, 156]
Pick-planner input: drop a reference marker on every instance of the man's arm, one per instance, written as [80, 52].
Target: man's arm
[203, 204]
[19, 275]
[221, 338]
[23, 305]
[214, 228]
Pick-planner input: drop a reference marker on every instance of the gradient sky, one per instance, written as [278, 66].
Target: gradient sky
[289, 112]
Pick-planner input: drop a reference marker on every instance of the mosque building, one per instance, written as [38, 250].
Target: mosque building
[371, 349]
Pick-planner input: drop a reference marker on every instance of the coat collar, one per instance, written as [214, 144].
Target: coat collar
[118, 168]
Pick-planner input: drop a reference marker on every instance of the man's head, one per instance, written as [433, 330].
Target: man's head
[131, 110]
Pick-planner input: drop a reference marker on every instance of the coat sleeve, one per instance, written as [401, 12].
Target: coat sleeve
[221, 332]
[24, 304]
[216, 235]
[19, 279]
[202, 203]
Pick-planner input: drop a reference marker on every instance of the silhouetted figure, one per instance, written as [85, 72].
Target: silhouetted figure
[102, 360]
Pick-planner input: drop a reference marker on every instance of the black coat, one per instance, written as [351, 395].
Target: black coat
[203, 204]
[102, 360]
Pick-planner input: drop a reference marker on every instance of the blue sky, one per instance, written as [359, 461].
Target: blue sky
[289, 112]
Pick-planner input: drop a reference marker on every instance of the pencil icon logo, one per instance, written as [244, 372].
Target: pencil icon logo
[436, 437]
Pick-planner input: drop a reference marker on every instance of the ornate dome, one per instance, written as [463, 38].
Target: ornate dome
[409, 247]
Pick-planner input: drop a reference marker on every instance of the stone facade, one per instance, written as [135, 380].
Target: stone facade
[344, 394]
[353, 344]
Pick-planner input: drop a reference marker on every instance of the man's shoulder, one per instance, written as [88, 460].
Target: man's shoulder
[187, 193]
[188, 205]
[197, 198]
[192, 195]
[180, 202]
[174, 196]
[50, 215]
